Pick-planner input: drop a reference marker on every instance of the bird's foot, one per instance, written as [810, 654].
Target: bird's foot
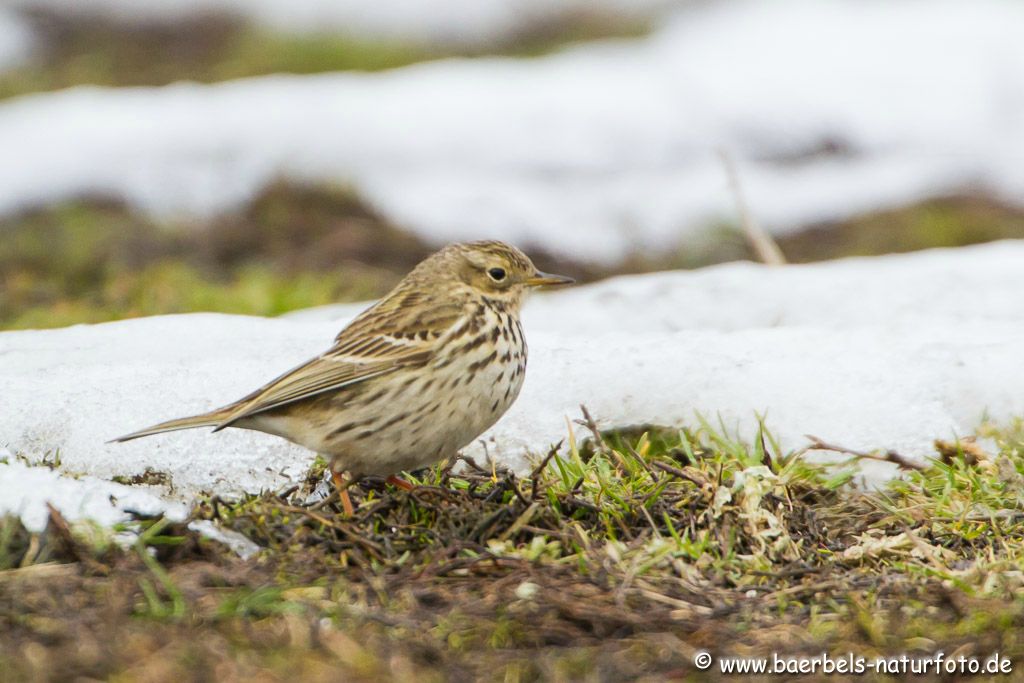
[342, 487]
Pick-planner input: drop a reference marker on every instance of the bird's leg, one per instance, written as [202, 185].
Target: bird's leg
[400, 483]
[341, 486]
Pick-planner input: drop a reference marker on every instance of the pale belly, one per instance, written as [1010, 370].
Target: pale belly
[410, 418]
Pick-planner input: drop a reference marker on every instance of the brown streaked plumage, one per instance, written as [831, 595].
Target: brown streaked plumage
[412, 379]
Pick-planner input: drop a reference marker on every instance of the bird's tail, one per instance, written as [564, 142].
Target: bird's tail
[211, 419]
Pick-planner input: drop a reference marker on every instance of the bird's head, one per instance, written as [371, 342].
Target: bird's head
[494, 270]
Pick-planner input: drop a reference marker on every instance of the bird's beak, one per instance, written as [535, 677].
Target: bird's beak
[540, 279]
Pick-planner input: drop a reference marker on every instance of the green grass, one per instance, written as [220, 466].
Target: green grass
[614, 559]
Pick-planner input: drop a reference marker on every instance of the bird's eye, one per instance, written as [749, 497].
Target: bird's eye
[497, 274]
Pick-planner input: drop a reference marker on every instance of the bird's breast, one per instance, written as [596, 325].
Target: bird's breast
[416, 416]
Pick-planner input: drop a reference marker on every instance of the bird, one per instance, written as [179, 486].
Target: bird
[411, 380]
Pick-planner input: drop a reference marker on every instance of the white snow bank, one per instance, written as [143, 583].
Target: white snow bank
[434, 21]
[890, 352]
[75, 388]
[25, 491]
[596, 151]
[15, 39]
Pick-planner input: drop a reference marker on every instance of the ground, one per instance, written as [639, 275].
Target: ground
[620, 560]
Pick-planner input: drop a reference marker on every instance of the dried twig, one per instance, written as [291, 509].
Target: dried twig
[675, 471]
[520, 522]
[61, 530]
[760, 241]
[472, 463]
[591, 424]
[540, 468]
[599, 444]
[639, 458]
[901, 461]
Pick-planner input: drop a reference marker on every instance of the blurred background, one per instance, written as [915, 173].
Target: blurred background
[259, 156]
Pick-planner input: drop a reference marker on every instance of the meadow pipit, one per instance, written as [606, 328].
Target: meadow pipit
[412, 379]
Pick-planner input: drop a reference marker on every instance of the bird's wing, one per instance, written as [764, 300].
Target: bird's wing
[371, 346]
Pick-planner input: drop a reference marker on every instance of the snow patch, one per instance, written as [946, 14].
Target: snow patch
[25, 491]
[831, 108]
